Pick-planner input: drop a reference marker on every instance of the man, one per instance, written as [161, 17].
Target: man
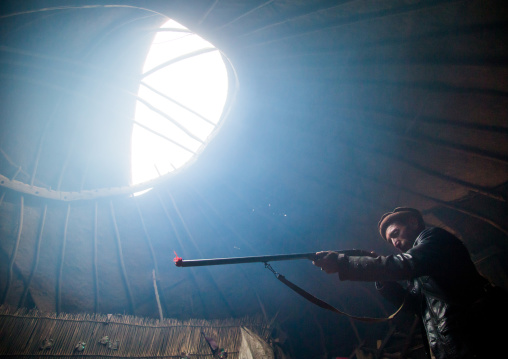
[456, 304]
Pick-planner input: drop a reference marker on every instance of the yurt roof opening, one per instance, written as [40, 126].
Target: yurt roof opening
[329, 114]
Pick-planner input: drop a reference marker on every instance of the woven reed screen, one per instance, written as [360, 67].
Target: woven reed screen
[23, 333]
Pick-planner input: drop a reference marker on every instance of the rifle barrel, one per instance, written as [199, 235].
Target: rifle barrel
[238, 260]
[258, 259]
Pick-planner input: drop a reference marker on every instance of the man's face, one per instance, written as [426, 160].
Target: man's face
[402, 235]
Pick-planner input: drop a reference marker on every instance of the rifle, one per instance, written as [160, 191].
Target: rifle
[180, 262]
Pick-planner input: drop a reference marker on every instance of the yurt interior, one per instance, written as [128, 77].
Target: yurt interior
[140, 136]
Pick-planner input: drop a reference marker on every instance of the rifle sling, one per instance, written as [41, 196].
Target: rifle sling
[325, 305]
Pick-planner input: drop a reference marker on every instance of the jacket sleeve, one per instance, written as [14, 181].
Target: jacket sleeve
[389, 268]
[431, 254]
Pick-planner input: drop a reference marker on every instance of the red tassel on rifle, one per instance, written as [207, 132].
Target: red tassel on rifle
[178, 261]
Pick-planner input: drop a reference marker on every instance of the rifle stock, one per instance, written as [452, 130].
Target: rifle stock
[179, 262]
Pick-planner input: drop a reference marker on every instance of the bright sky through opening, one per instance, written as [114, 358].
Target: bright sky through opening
[181, 99]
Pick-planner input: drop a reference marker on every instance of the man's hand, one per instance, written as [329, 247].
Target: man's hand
[328, 261]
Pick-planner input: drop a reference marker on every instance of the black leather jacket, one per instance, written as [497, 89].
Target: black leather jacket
[443, 287]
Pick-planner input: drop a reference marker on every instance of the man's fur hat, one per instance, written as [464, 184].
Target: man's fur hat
[399, 214]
